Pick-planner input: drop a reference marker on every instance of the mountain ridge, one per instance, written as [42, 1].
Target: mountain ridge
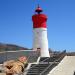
[10, 47]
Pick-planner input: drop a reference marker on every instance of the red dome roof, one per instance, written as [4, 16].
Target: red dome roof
[38, 10]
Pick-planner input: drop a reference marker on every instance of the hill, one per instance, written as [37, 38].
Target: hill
[10, 47]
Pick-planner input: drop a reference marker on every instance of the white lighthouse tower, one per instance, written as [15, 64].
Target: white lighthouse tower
[40, 33]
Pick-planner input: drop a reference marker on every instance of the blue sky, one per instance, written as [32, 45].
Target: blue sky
[16, 22]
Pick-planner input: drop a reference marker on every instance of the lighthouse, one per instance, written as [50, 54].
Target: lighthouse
[40, 39]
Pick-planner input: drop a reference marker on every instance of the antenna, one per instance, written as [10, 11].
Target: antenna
[38, 5]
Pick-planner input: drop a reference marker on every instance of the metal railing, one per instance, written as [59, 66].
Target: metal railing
[51, 64]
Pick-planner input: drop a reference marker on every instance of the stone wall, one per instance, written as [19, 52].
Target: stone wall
[9, 55]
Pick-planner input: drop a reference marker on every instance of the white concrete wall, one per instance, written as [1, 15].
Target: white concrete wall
[65, 67]
[41, 41]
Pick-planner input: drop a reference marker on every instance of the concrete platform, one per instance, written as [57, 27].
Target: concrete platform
[65, 67]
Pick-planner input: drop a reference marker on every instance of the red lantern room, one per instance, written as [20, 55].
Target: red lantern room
[39, 20]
